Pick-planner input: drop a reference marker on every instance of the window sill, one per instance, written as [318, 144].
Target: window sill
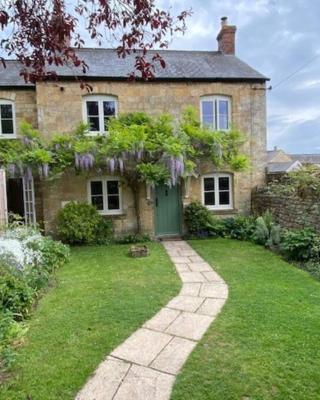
[113, 214]
[224, 211]
[8, 137]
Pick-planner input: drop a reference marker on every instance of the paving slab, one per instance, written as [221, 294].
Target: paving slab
[211, 307]
[190, 289]
[172, 358]
[196, 258]
[162, 319]
[105, 381]
[195, 277]
[199, 267]
[180, 267]
[187, 253]
[212, 277]
[215, 290]
[185, 303]
[142, 346]
[179, 260]
[145, 384]
[190, 325]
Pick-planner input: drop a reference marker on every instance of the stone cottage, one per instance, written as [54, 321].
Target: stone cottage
[224, 90]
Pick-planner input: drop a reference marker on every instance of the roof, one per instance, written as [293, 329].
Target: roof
[180, 65]
[282, 167]
[278, 155]
[306, 158]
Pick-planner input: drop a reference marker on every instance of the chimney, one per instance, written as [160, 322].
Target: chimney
[226, 37]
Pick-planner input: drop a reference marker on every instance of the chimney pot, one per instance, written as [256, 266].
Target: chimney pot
[226, 37]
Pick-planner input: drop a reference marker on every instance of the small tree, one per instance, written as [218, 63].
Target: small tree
[141, 148]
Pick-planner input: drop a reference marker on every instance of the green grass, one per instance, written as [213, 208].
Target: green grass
[266, 342]
[101, 297]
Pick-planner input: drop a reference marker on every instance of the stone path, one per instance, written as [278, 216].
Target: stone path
[144, 367]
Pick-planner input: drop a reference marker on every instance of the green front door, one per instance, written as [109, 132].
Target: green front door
[167, 210]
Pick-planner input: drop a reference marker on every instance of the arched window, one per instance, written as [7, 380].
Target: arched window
[217, 191]
[216, 112]
[7, 119]
[97, 110]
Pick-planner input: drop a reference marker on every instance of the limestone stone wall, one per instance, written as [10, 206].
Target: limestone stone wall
[291, 212]
[25, 105]
[72, 187]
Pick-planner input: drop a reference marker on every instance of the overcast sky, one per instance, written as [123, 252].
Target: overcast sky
[276, 37]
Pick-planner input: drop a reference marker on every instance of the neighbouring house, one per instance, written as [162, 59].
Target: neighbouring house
[280, 162]
[225, 91]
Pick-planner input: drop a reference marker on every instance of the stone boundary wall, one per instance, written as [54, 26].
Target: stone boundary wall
[291, 212]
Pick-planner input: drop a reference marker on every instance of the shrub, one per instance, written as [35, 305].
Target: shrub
[80, 223]
[200, 222]
[133, 238]
[299, 245]
[240, 227]
[16, 295]
[266, 232]
[313, 267]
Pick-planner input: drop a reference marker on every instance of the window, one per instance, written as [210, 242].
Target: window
[7, 119]
[215, 112]
[217, 191]
[105, 194]
[97, 111]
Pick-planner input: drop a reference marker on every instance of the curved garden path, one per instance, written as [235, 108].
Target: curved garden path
[144, 367]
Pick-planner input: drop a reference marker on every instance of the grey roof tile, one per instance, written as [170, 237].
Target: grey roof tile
[306, 158]
[188, 65]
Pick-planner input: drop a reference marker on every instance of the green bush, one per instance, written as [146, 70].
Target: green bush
[240, 227]
[80, 223]
[133, 238]
[266, 232]
[313, 267]
[201, 223]
[299, 245]
[16, 295]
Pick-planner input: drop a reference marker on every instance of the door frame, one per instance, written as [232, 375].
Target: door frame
[178, 186]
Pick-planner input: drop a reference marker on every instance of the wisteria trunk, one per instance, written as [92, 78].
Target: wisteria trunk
[136, 198]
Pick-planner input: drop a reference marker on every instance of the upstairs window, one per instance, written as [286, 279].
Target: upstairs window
[105, 195]
[7, 119]
[216, 112]
[217, 191]
[97, 112]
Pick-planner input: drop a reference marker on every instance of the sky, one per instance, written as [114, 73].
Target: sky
[276, 37]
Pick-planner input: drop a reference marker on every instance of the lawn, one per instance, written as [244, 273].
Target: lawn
[265, 343]
[100, 298]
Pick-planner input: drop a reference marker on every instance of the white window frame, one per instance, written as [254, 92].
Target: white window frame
[217, 205]
[215, 99]
[9, 135]
[104, 181]
[29, 201]
[100, 99]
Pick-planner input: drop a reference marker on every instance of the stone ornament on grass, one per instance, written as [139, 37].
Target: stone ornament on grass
[139, 251]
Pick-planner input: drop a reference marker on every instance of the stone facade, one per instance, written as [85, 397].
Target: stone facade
[291, 212]
[58, 107]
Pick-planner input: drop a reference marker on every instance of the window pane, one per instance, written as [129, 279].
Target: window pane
[98, 202]
[224, 198]
[113, 187]
[94, 123]
[224, 183]
[223, 114]
[209, 199]
[92, 108]
[6, 111]
[113, 202]
[7, 126]
[96, 188]
[207, 113]
[208, 184]
[109, 108]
